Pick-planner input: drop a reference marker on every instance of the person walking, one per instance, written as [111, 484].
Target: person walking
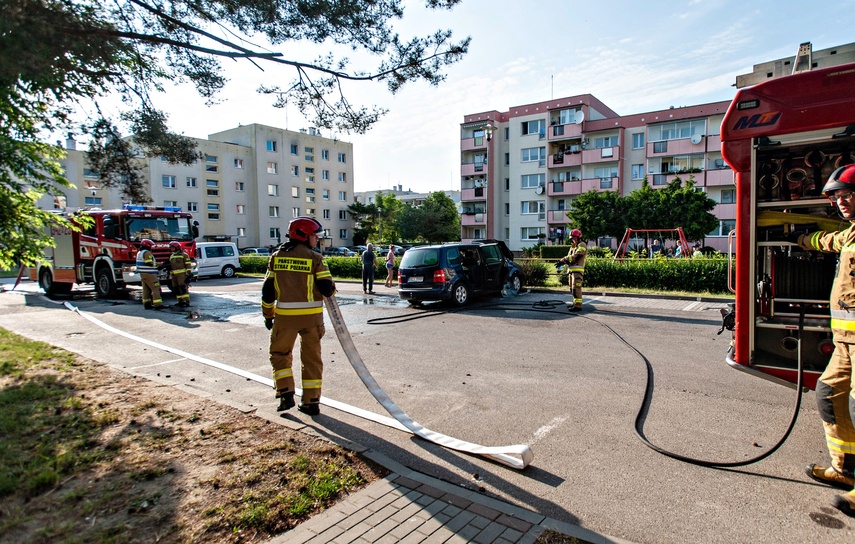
[834, 395]
[148, 271]
[390, 266]
[292, 295]
[369, 263]
[575, 261]
[180, 265]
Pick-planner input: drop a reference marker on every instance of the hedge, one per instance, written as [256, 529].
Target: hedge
[340, 267]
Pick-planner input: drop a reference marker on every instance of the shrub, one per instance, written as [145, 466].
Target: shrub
[535, 271]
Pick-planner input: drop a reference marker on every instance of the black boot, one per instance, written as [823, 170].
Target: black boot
[310, 409]
[286, 401]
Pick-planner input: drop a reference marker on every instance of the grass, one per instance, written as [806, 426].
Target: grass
[89, 454]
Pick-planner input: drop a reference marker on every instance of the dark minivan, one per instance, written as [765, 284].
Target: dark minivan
[457, 271]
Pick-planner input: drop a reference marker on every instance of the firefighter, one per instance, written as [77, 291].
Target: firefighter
[147, 269]
[292, 304]
[834, 395]
[181, 266]
[575, 261]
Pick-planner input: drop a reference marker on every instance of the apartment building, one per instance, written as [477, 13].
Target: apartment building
[522, 168]
[251, 181]
[407, 196]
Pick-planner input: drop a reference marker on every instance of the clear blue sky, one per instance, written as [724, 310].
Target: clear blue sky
[635, 56]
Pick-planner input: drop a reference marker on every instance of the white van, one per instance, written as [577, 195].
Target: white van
[216, 259]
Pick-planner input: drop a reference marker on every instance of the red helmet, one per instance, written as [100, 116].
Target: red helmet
[176, 246]
[575, 233]
[842, 178]
[145, 242]
[299, 229]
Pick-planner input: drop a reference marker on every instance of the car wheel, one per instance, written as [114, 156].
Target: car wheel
[516, 283]
[228, 271]
[105, 285]
[460, 294]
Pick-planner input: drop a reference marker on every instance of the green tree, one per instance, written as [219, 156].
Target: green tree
[365, 218]
[58, 54]
[389, 209]
[436, 220]
[598, 214]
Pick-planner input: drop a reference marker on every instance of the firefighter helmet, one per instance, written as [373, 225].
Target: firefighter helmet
[842, 178]
[176, 246]
[575, 233]
[299, 229]
[146, 243]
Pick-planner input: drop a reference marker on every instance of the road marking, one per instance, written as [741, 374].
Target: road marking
[546, 429]
[691, 306]
[161, 363]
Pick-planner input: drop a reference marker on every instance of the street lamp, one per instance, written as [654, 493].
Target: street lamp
[380, 224]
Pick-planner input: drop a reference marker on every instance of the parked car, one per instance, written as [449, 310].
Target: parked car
[457, 271]
[217, 259]
[255, 251]
[358, 249]
[340, 252]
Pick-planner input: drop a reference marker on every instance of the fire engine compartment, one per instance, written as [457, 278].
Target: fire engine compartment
[787, 186]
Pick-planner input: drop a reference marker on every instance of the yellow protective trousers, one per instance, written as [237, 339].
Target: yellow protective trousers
[836, 404]
[282, 341]
[575, 279]
[151, 290]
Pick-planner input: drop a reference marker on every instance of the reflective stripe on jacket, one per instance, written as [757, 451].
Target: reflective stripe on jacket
[576, 258]
[146, 263]
[290, 289]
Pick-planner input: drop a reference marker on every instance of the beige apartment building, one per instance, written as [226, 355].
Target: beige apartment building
[251, 181]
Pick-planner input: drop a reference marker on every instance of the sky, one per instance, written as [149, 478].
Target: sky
[635, 56]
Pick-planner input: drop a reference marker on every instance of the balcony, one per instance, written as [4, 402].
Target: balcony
[557, 217]
[471, 144]
[720, 176]
[599, 184]
[477, 219]
[473, 168]
[564, 132]
[473, 195]
[564, 160]
[563, 188]
[601, 154]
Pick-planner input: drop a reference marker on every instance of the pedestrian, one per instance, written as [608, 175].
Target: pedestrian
[369, 263]
[696, 252]
[390, 266]
[148, 271]
[292, 304]
[679, 251]
[834, 396]
[181, 266]
[575, 261]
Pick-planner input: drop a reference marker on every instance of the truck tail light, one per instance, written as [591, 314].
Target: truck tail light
[439, 276]
[826, 347]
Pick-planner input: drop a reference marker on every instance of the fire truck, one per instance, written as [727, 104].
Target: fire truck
[104, 251]
[783, 138]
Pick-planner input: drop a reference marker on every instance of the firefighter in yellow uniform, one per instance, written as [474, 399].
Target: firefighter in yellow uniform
[292, 304]
[575, 263]
[147, 269]
[181, 266]
[834, 394]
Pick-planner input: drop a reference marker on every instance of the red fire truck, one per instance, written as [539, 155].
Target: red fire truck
[783, 137]
[105, 251]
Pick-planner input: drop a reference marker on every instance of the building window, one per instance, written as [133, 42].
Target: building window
[326, 214]
[534, 127]
[295, 212]
[531, 233]
[271, 145]
[192, 206]
[529, 207]
[342, 215]
[723, 228]
[533, 154]
[295, 170]
[271, 168]
[239, 186]
[241, 231]
[191, 182]
[168, 181]
[240, 209]
[728, 196]
[273, 211]
[213, 216]
[170, 203]
[92, 201]
[212, 168]
[638, 140]
[310, 175]
[89, 173]
[272, 189]
[637, 171]
[677, 130]
[274, 233]
[342, 177]
[213, 207]
[342, 233]
[530, 181]
[293, 149]
[342, 158]
[325, 194]
[325, 175]
[606, 141]
[211, 158]
[310, 190]
[212, 183]
[295, 192]
[660, 147]
[238, 163]
[325, 154]
[342, 196]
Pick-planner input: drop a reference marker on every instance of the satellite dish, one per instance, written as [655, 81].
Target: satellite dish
[539, 190]
[580, 116]
[696, 139]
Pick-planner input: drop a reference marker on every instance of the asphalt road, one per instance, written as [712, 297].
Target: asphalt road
[569, 385]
